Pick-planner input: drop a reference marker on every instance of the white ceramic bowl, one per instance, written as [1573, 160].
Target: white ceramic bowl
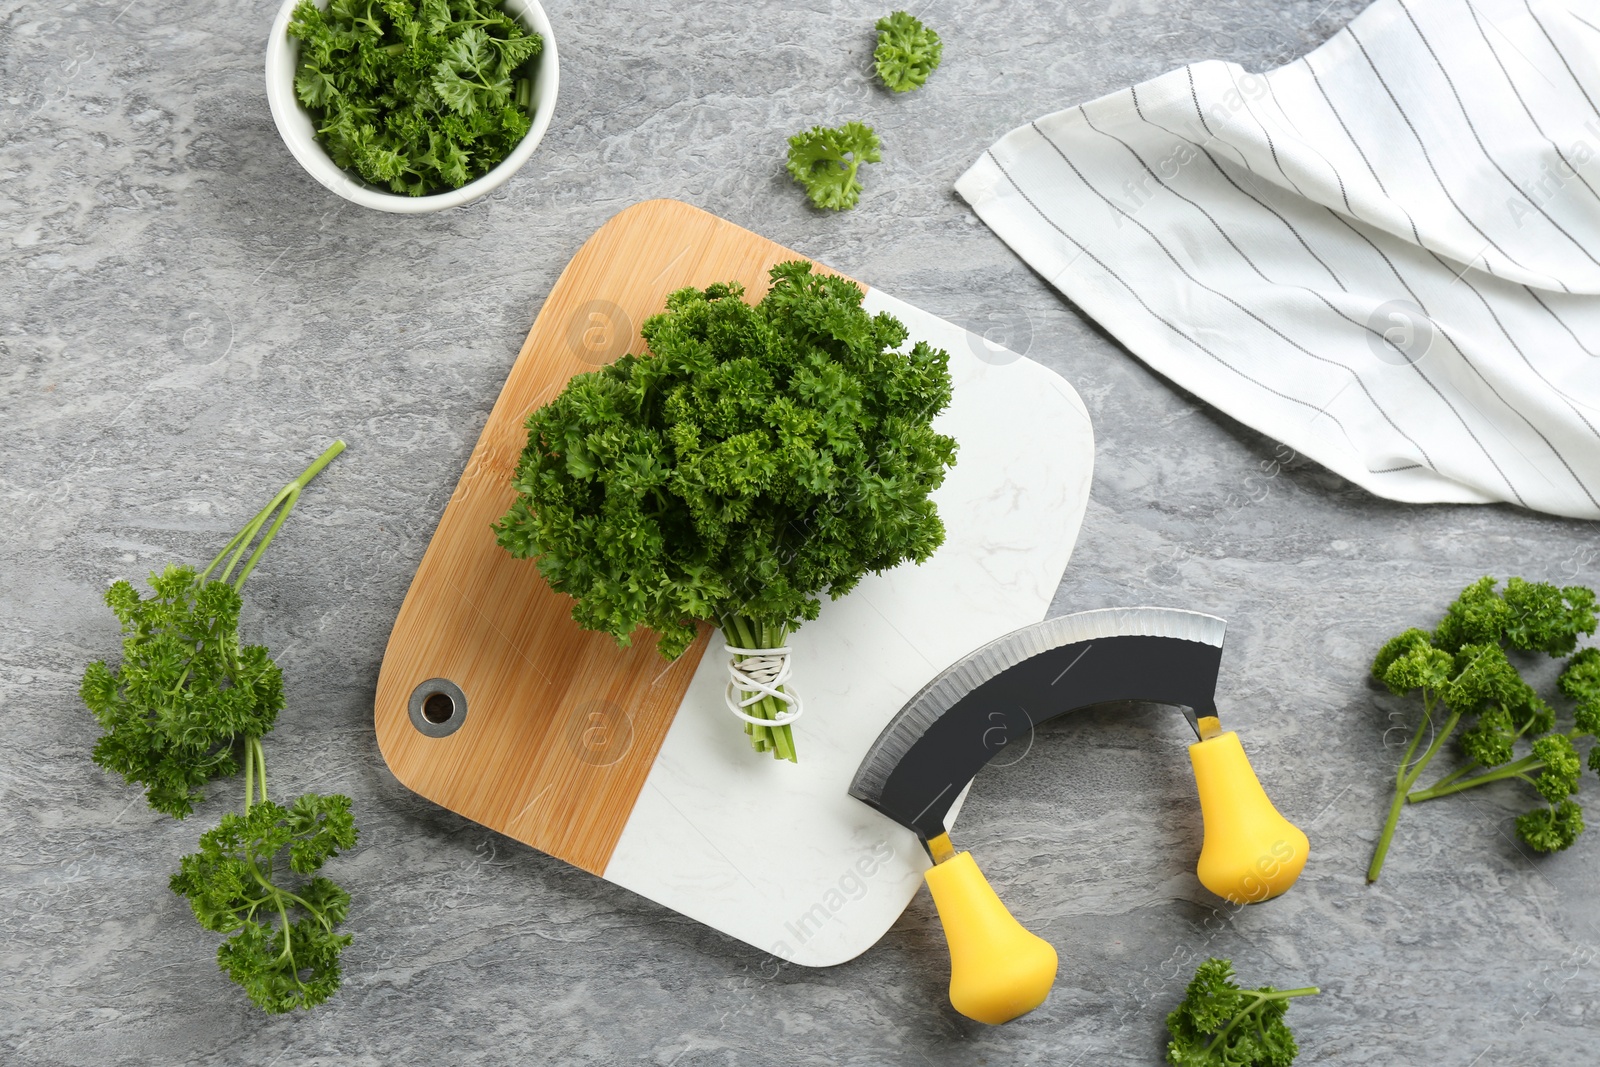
[294, 124]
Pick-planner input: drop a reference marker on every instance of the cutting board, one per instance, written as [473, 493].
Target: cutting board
[493, 703]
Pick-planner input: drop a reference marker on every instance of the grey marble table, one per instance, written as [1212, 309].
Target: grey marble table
[186, 318]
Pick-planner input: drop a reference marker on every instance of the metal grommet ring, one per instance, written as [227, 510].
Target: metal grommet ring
[438, 707]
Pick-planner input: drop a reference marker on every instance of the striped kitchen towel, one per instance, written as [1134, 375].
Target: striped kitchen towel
[1385, 255]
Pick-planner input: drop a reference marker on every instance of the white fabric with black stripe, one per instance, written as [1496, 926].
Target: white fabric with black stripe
[1385, 255]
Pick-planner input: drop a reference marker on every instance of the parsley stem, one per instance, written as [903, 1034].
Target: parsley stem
[1459, 772]
[1262, 998]
[284, 500]
[1407, 776]
[293, 495]
[739, 629]
[255, 773]
[261, 767]
[745, 632]
[1444, 787]
[1438, 742]
[288, 939]
[249, 774]
[1398, 802]
[752, 634]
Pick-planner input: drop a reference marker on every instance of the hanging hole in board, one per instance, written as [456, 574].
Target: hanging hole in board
[438, 707]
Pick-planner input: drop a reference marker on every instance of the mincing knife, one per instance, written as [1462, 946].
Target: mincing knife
[934, 746]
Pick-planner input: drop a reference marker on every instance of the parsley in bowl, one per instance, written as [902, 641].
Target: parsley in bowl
[411, 105]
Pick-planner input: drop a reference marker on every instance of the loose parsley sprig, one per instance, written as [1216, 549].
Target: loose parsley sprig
[1218, 1024]
[188, 704]
[907, 52]
[235, 885]
[415, 95]
[1462, 673]
[826, 161]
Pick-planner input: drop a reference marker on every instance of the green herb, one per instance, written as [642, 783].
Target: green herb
[1463, 675]
[755, 456]
[1221, 1025]
[189, 704]
[825, 161]
[231, 886]
[907, 52]
[177, 709]
[415, 95]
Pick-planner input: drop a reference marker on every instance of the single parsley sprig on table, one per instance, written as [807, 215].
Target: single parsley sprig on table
[755, 456]
[234, 883]
[1463, 674]
[188, 704]
[907, 52]
[415, 95]
[826, 162]
[1218, 1024]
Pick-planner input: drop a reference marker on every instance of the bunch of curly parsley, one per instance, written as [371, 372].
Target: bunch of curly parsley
[415, 95]
[754, 457]
[189, 704]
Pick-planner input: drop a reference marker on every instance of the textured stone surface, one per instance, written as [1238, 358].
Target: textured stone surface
[186, 318]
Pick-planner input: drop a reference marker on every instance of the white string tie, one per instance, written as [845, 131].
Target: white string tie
[760, 672]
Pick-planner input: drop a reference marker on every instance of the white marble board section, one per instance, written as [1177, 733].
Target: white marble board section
[778, 855]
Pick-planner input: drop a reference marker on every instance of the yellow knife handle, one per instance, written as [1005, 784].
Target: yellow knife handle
[998, 970]
[1251, 852]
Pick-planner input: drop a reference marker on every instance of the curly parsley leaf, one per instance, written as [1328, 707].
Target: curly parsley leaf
[1492, 741]
[1218, 1024]
[826, 162]
[1545, 619]
[1409, 662]
[415, 95]
[285, 946]
[1485, 681]
[1580, 680]
[1559, 767]
[907, 52]
[1551, 829]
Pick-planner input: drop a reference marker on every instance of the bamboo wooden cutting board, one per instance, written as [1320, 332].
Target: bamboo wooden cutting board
[493, 703]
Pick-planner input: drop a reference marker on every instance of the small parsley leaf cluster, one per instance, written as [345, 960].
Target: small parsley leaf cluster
[907, 52]
[1218, 1024]
[416, 96]
[827, 161]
